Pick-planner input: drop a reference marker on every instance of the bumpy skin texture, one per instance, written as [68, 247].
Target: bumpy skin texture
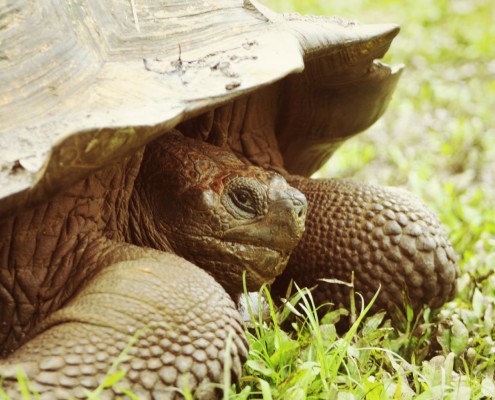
[105, 261]
[204, 204]
[75, 290]
[182, 320]
[386, 236]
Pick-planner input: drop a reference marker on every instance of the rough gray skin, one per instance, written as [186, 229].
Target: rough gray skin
[106, 259]
[75, 290]
[385, 236]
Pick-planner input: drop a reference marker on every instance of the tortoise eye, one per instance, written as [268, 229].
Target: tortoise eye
[243, 199]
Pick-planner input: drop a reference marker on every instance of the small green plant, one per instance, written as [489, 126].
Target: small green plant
[372, 360]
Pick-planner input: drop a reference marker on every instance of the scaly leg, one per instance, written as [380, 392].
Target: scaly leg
[182, 318]
[386, 236]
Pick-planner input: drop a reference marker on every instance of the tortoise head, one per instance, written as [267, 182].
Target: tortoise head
[205, 205]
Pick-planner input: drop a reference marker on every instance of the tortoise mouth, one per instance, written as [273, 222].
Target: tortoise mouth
[242, 247]
[228, 260]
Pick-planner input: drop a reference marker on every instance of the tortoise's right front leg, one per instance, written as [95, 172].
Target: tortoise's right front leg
[184, 325]
[376, 238]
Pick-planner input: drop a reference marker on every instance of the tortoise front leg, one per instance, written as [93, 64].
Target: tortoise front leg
[180, 318]
[386, 236]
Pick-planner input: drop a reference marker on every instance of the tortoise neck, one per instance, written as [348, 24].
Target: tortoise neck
[142, 228]
[49, 248]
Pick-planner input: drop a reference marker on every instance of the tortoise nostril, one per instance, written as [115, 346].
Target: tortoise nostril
[300, 203]
[299, 209]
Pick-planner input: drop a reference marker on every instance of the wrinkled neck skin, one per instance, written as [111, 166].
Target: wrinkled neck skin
[48, 252]
[202, 203]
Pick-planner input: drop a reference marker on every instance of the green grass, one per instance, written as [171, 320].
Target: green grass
[437, 139]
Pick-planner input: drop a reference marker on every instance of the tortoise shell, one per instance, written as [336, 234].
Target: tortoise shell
[84, 83]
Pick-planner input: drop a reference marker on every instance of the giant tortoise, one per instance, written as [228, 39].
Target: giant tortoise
[154, 151]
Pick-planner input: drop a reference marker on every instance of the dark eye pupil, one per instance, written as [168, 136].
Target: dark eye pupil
[242, 198]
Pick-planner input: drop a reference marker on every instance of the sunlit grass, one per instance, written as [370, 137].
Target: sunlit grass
[371, 360]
